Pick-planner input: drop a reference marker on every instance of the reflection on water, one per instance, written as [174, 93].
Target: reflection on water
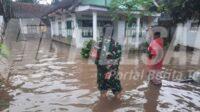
[53, 84]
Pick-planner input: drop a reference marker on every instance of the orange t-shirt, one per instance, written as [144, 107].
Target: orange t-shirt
[156, 50]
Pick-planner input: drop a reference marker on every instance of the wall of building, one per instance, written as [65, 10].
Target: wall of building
[30, 25]
[55, 26]
[188, 35]
[120, 29]
[97, 2]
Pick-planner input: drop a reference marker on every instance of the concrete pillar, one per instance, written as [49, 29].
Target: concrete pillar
[56, 27]
[75, 26]
[94, 15]
[75, 34]
[137, 32]
[63, 27]
[52, 27]
[121, 27]
[21, 25]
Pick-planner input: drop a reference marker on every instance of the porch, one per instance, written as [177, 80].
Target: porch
[87, 23]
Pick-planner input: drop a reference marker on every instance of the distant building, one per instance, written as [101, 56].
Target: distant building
[29, 16]
[82, 20]
[187, 34]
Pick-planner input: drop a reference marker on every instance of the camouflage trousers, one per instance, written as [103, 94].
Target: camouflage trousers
[113, 83]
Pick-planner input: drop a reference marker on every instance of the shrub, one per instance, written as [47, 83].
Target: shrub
[4, 52]
[85, 51]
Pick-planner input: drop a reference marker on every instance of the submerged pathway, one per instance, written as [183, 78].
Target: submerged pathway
[52, 84]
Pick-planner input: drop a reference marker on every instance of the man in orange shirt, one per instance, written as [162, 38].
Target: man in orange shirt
[155, 58]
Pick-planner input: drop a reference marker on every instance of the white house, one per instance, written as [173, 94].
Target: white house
[82, 20]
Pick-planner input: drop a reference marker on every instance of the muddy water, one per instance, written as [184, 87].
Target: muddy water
[55, 83]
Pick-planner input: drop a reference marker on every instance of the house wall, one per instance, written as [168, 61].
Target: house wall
[120, 29]
[29, 25]
[97, 2]
[55, 26]
[188, 36]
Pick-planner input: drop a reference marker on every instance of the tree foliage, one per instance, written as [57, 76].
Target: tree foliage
[181, 10]
[128, 7]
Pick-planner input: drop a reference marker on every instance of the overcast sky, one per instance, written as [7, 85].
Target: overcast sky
[43, 1]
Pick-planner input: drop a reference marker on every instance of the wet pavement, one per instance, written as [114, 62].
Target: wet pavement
[55, 82]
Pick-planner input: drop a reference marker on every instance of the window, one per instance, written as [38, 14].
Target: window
[87, 32]
[32, 29]
[131, 29]
[86, 23]
[194, 27]
[69, 24]
[102, 23]
[52, 19]
[69, 28]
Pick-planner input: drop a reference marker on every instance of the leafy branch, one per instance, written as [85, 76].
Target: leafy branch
[4, 52]
[127, 8]
[181, 10]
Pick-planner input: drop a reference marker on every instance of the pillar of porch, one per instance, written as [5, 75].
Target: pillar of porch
[75, 26]
[21, 26]
[94, 15]
[137, 32]
[121, 29]
[75, 36]
[52, 31]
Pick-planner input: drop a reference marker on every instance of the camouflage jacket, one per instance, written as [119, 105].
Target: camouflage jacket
[108, 55]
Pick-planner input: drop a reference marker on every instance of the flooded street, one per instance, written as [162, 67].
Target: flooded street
[51, 82]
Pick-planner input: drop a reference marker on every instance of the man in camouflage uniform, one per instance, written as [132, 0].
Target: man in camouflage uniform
[107, 53]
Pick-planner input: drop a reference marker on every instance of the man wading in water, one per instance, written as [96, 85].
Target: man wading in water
[107, 53]
[155, 59]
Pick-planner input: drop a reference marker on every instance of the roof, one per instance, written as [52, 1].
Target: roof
[29, 10]
[64, 4]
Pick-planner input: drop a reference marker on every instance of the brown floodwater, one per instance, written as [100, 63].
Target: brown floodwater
[61, 81]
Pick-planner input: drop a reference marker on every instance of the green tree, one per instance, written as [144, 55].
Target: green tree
[129, 7]
[181, 10]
